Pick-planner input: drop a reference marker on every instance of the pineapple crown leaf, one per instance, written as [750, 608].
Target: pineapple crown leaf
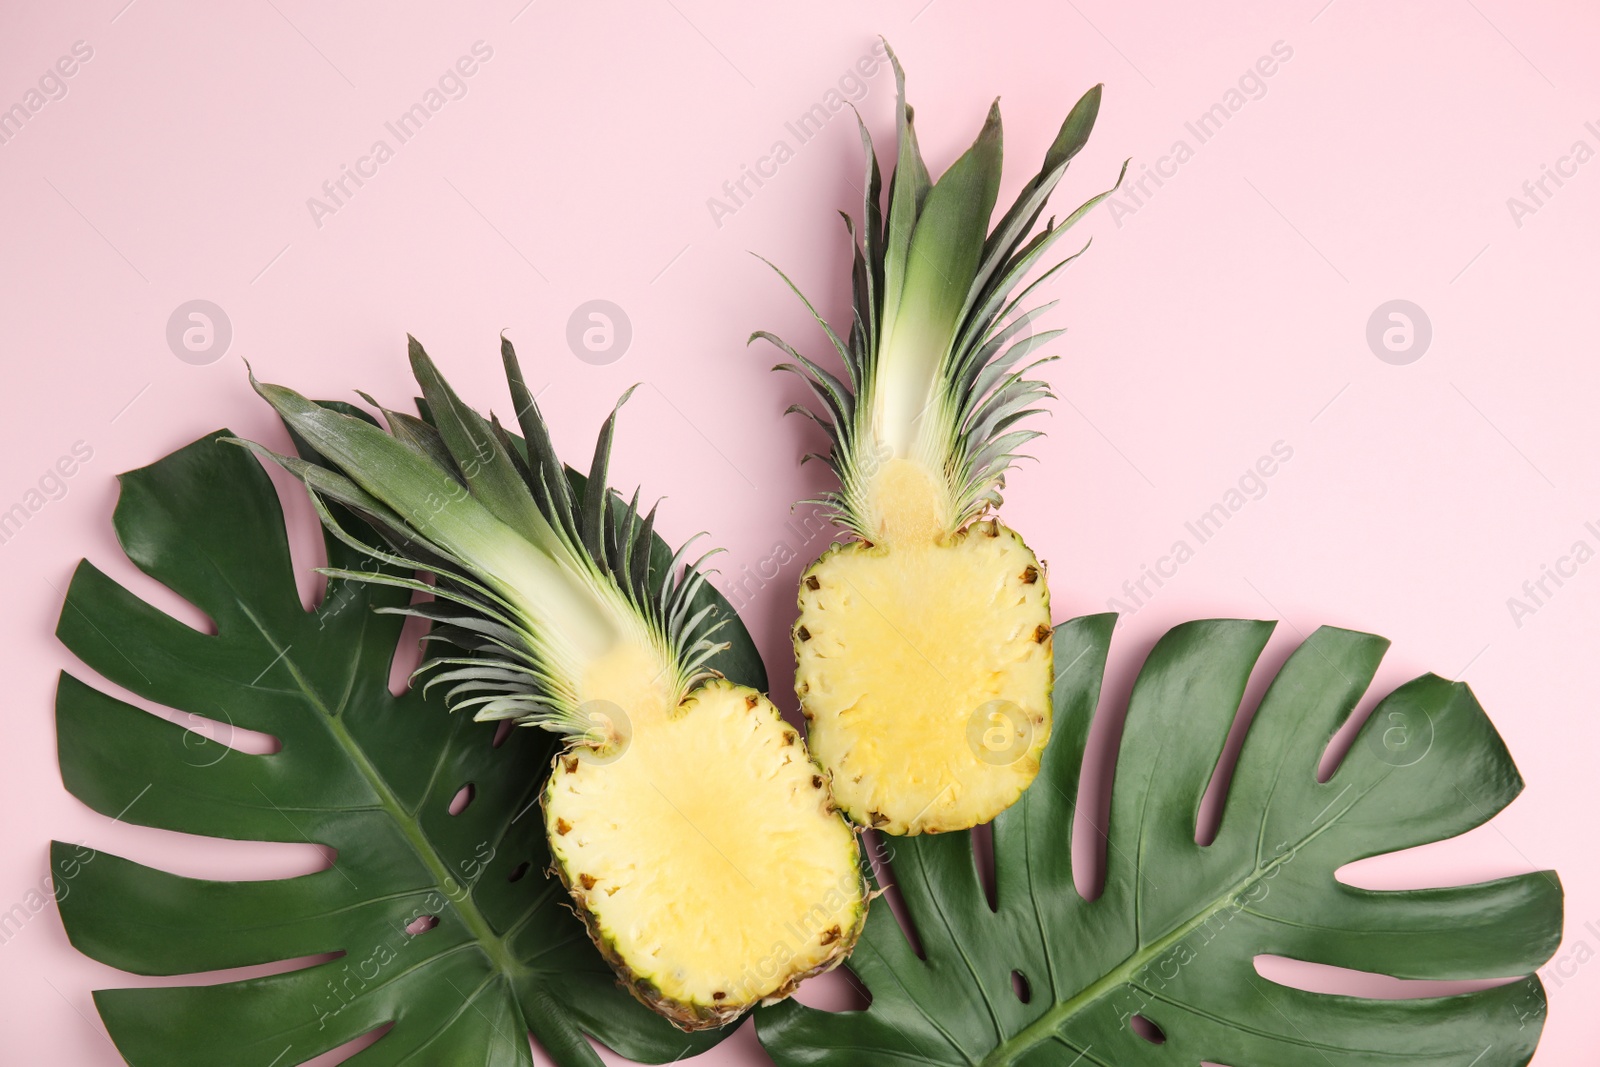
[930, 272]
[464, 608]
[434, 488]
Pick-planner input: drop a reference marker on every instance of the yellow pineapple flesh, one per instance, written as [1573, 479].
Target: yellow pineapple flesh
[702, 849]
[924, 671]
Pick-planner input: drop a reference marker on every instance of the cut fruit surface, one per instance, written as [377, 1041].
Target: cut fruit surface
[924, 671]
[714, 807]
[923, 649]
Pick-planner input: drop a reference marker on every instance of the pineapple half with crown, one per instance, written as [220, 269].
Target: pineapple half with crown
[697, 838]
[923, 646]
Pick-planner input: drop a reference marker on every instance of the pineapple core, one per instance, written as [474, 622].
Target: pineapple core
[631, 674]
[908, 504]
[924, 670]
[704, 853]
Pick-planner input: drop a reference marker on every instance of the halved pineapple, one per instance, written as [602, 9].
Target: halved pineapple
[715, 807]
[924, 671]
[697, 838]
[923, 659]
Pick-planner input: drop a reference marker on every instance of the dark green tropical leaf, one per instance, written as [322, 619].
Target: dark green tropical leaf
[361, 771]
[1173, 937]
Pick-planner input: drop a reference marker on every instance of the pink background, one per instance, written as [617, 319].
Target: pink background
[1225, 313]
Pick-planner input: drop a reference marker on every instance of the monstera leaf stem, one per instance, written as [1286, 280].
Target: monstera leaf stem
[1051, 1024]
[460, 895]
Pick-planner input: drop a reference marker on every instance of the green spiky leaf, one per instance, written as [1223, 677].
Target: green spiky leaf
[932, 314]
[908, 189]
[1174, 935]
[535, 585]
[367, 774]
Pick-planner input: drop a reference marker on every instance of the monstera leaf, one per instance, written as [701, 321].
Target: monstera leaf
[443, 926]
[1158, 970]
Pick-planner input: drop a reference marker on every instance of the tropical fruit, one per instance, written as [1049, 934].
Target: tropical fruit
[695, 834]
[923, 644]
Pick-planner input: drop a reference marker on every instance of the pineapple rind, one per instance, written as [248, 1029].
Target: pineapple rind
[767, 887]
[908, 658]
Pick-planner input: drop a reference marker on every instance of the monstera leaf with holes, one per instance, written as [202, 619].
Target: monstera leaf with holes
[1172, 939]
[443, 927]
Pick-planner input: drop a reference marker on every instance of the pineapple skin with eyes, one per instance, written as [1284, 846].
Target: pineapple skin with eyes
[924, 671]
